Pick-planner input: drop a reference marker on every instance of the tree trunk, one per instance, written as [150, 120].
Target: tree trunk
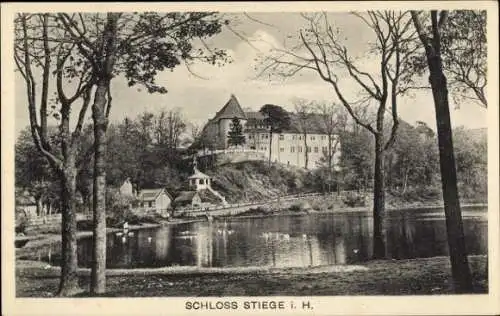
[270, 145]
[405, 180]
[456, 242]
[379, 201]
[306, 154]
[39, 206]
[68, 285]
[98, 275]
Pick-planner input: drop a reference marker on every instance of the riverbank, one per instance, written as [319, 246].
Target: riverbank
[382, 277]
[44, 239]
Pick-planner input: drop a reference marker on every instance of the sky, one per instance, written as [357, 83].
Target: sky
[199, 99]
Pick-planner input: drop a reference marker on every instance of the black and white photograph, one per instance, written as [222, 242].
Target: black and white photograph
[250, 158]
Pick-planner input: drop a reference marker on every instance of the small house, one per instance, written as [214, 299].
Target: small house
[157, 200]
[196, 199]
[127, 189]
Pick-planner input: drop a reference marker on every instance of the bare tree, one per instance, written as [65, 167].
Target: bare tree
[334, 121]
[134, 45]
[456, 242]
[42, 52]
[303, 113]
[321, 50]
[169, 127]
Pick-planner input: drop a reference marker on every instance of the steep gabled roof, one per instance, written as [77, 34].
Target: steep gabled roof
[185, 196]
[231, 110]
[197, 174]
[151, 194]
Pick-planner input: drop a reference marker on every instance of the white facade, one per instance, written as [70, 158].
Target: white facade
[290, 148]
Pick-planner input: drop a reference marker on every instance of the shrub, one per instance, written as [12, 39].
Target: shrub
[354, 199]
[21, 225]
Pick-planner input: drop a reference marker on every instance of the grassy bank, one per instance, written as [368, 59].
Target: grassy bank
[390, 277]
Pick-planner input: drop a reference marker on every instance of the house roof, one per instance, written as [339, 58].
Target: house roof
[198, 175]
[151, 194]
[206, 196]
[231, 110]
[209, 196]
[185, 196]
[255, 115]
[313, 124]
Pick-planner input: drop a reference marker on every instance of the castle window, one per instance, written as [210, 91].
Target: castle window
[313, 138]
[315, 149]
[308, 149]
[300, 137]
[299, 149]
[282, 149]
[323, 137]
[325, 149]
[292, 149]
[294, 137]
[282, 137]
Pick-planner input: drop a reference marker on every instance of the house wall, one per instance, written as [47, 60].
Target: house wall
[162, 202]
[126, 189]
[196, 201]
[289, 148]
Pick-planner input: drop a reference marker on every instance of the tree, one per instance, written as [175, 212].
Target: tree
[168, 128]
[276, 119]
[103, 46]
[356, 159]
[321, 50]
[40, 53]
[334, 123]
[33, 172]
[304, 113]
[432, 43]
[235, 135]
[464, 56]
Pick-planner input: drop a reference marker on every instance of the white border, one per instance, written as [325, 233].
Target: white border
[337, 305]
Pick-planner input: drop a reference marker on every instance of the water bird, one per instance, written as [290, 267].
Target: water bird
[47, 267]
[304, 236]
[286, 236]
[355, 250]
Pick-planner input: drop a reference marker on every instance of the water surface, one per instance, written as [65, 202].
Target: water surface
[285, 241]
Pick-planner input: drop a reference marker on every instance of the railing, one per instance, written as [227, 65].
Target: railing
[202, 153]
[203, 211]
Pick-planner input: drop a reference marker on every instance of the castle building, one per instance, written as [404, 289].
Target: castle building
[288, 147]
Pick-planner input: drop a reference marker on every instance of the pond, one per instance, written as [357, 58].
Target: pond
[284, 241]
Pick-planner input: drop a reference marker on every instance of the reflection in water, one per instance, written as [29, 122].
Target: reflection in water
[282, 241]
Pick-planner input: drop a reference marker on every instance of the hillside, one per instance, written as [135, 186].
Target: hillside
[256, 180]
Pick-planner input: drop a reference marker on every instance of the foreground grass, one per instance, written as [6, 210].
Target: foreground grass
[391, 277]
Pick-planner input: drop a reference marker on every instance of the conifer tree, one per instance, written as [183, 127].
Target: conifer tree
[235, 135]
